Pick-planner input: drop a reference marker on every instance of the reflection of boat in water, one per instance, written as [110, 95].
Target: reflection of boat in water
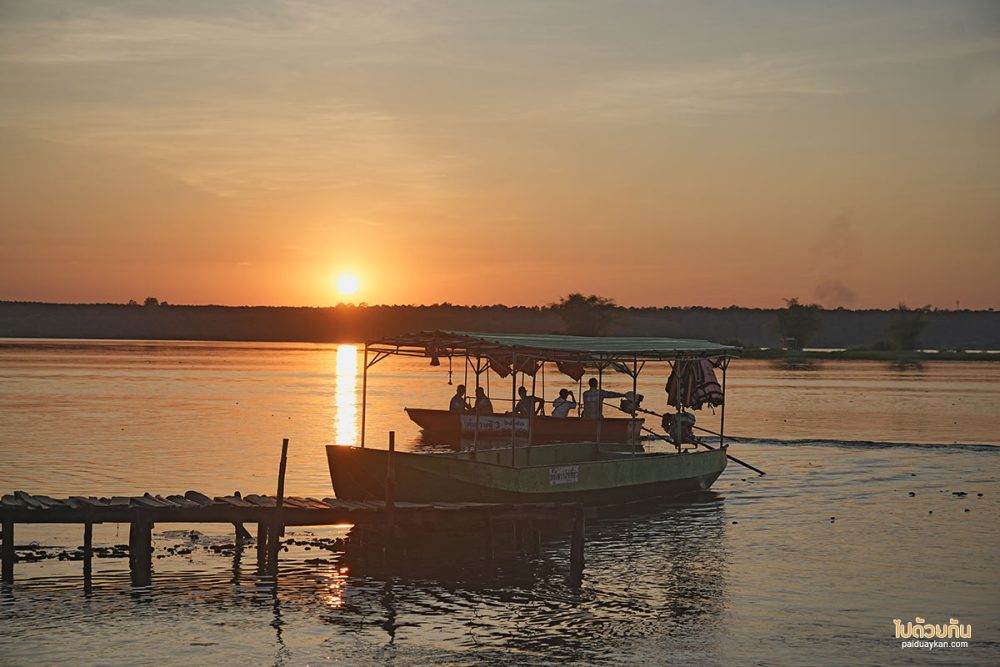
[543, 428]
[587, 470]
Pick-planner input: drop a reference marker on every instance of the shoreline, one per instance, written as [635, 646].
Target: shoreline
[790, 357]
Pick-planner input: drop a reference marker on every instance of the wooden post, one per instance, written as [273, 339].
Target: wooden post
[277, 527]
[140, 550]
[532, 538]
[490, 541]
[88, 550]
[8, 552]
[576, 561]
[390, 491]
[242, 534]
[262, 546]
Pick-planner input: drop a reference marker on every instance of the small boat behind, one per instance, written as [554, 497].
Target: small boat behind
[542, 428]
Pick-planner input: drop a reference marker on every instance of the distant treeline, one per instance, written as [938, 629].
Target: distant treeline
[961, 329]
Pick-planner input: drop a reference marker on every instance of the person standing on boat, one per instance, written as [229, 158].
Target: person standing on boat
[484, 406]
[563, 404]
[593, 400]
[458, 403]
[526, 405]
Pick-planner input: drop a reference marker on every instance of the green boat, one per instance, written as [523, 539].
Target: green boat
[592, 472]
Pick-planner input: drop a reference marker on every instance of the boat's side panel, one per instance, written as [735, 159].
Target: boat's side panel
[359, 474]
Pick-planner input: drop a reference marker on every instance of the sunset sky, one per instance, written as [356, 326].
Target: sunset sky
[660, 153]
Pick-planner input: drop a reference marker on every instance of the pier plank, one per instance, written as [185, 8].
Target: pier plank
[12, 501]
[260, 501]
[148, 501]
[28, 500]
[199, 498]
[181, 501]
[234, 501]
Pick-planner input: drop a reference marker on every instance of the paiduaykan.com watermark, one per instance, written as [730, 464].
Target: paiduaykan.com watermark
[920, 634]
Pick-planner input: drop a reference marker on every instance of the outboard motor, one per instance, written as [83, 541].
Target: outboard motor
[630, 401]
[679, 427]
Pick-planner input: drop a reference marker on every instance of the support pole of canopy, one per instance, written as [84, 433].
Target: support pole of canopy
[633, 436]
[475, 433]
[364, 396]
[722, 416]
[600, 398]
[513, 405]
[531, 415]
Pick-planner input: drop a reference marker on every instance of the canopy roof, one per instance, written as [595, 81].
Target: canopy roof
[584, 349]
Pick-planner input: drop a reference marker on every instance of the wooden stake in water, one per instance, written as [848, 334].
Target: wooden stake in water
[390, 482]
[277, 527]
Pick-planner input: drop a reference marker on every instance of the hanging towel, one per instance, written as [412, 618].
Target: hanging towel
[692, 384]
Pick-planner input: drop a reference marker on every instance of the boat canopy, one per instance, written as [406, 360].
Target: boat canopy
[598, 350]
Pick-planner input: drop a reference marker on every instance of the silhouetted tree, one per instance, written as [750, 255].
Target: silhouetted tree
[798, 322]
[586, 315]
[905, 327]
[151, 301]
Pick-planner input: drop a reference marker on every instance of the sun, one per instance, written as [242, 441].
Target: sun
[348, 284]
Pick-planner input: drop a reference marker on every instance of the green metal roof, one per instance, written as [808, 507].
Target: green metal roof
[553, 347]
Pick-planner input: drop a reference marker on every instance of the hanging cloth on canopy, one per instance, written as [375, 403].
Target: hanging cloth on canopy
[500, 365]
[692, 384]
[574, 369]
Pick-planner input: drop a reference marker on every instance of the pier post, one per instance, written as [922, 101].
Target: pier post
[8, 552]
[576, 560]
[390, 481]
[534, 535]
[390, 498]
[262, 533]
[490, 540]
[88, 551]
[277, 528]
[140, 550]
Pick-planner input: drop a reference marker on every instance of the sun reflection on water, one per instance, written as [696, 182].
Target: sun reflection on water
[346, 427]
[334, 594]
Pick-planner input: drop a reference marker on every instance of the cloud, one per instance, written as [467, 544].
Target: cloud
[749, 82]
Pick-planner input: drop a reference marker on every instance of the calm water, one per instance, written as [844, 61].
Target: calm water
[756, 574]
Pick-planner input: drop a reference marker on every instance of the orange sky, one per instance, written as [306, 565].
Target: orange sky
[682, 153]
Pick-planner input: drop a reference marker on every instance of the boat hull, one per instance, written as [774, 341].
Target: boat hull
[570, 472]
[543, 428]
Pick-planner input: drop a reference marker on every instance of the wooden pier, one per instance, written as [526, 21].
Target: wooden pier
[272, 514]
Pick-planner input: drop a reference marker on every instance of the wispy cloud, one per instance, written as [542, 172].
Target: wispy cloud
[746, 83]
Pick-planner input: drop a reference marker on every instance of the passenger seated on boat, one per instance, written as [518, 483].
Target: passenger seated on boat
[458, 402]
[528, 405]
[593, 400]
[563, 404]
[484, 406]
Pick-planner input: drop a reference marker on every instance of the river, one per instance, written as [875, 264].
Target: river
[859, 521]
